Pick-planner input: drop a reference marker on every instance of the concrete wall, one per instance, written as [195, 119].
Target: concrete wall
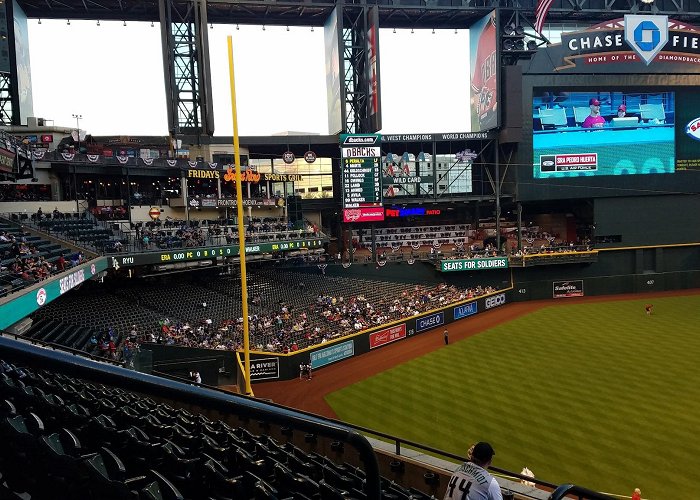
[30, 207]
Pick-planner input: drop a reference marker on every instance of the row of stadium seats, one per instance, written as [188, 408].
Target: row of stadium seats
[91, 441]
[50, 252]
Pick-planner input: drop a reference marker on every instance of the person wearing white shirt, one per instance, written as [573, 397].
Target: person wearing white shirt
[472, 481]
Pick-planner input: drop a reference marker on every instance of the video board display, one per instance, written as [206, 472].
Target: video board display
[596, 133]
[483, 48]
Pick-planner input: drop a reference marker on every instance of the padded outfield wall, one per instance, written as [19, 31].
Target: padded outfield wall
[625, 270]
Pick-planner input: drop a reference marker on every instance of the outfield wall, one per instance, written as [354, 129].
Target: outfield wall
[276, 366]
[628, 270]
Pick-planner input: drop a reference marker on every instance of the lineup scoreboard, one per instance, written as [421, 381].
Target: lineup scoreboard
[361, 178]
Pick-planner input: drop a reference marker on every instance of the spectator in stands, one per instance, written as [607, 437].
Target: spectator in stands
[637, 495]
[472, 481]
[39, 213]
[594, 120]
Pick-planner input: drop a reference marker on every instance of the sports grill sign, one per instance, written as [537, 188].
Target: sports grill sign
[563, 289]
[645, 43]
[387, 336]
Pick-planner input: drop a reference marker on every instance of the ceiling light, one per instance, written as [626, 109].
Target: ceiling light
[68, 22]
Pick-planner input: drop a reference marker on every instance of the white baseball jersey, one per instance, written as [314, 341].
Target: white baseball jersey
[471, 482]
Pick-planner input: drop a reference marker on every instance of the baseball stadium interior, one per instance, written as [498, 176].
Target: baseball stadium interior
[149, 284]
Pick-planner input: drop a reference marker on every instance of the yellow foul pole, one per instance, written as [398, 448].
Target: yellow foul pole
[241, 228]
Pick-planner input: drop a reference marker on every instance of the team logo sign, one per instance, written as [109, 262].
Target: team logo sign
[41, 297]
[647, 35]
[693, 129]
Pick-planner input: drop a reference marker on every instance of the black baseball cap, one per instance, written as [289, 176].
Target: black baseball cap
[483, 452]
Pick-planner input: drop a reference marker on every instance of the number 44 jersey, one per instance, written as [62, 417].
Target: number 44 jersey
[471, 482]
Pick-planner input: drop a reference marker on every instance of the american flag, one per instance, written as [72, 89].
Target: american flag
[541, 14]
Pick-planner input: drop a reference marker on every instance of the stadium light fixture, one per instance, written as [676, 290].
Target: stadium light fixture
[211, 26]
[98, 22]
[287, 28]
[411, 30]
[237, 27]
[263, 27]
[124, 23]
[68, 22]
[519, 30]
[433, 31]
[531, 45]
[39, 21]
[647, 2]
[312, 29]
[394, 28]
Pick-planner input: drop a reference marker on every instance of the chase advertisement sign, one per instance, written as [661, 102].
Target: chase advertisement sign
[430, 321]
[647, 35]
[636, 43]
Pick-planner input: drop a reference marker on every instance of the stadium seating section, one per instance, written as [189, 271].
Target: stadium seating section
[68, 438]
[94, 308]
[12, 281]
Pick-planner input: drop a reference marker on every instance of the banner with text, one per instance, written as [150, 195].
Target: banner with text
[387, 336]
[331, 354]
[564, 289]
[473, 264]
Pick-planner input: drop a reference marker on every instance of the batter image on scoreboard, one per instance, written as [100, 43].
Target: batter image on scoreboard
[484, 83]
[580, 134]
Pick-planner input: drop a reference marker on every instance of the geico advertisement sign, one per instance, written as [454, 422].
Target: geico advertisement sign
[495, 301]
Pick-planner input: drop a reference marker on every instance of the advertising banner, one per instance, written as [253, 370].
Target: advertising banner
[264, 369]
[495, 301]
[430, 321]
[334, 84]
[564, 289]
[473, 264]
[365, 214]
[483, 46]
[387, 336]
[331, 354]
[635, 44]
[374, 107]
[30, 300]
[192, 254]
[465, 310]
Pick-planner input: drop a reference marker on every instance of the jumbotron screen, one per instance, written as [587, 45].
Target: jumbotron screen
[579, 134]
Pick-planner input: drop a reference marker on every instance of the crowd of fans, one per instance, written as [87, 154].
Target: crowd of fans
[329, 317]
[23, 259]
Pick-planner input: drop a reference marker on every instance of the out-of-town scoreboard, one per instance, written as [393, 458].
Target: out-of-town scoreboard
[361, 156]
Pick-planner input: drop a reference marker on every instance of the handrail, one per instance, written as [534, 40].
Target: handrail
[58, 347]
[204, 397]
[566, 490]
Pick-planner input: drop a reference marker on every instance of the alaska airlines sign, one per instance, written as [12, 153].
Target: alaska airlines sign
[641, 43]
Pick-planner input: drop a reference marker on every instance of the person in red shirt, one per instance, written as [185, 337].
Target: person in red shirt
[637, 495]
[594, 120]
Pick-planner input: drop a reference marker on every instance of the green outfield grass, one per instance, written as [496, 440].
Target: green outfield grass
[600, 395]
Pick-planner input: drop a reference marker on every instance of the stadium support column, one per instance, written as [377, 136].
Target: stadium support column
[520, 225]
[497, 192]
[185, 45]
[354, 69]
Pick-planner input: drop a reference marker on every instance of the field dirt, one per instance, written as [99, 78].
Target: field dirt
[309, 395]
